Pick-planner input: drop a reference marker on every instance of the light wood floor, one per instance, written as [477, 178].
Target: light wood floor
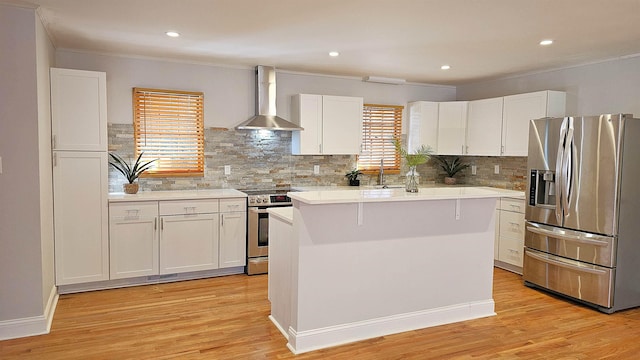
[226, 318]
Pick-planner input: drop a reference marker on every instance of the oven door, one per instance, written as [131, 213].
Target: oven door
[258, 232]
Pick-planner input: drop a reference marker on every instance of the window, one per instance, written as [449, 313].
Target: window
[169, 126]
[381, 125]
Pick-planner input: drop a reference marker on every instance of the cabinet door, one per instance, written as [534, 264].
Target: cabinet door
[452, 118]
[80, 187]
[188, 243]
[78, 110]
[307, 112]
[423, 125]
[133, 239]
[518, 111]
[233, 239]
[484, 127]
[341, 125]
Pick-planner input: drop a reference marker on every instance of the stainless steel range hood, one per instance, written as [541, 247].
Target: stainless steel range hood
[266, 119]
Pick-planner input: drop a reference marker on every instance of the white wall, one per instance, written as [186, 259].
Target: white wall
[601, 88]
[229, 92]
[20, 232]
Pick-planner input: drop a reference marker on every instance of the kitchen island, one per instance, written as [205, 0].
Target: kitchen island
[349, 265]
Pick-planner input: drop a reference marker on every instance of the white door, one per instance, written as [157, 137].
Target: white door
[80, 187]
[484, 127]
[307, 112]
[78, 110]
[188, 243]
[452, 118]
[233, 239]
[423, 125]
[133, 239]
[341, 125]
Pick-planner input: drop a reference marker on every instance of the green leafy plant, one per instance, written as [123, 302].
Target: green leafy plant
[130, 172]
[453, 167]
[353, 174]
[417, 157]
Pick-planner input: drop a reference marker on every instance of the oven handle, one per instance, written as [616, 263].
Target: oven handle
[257, 210]
[575, 238]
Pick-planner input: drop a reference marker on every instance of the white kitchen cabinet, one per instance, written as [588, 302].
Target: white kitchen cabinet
[233, 233]
[133, 239]
[189, 235]
[423, 125]
[519, 110]
[484, 127]
[78, 110]
[452, 119]
[332, 124]
[80, 187]
[511, 234]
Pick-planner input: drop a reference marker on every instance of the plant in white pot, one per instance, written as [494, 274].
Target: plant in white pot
[451, 168]
[130, 172]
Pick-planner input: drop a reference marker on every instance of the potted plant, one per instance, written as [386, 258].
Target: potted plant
[451, 168]
[417, 157]
[353, 177]
[130, 172]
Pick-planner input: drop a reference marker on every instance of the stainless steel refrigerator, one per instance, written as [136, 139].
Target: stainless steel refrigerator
[582, 236]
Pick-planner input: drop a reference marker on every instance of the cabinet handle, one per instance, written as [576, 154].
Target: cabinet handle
[461, 149]
[55, 159]
[155, 224]
[190, 209]
[161, 224]
[53, 141]
[222, 219]
[467, 150]
[502, 149]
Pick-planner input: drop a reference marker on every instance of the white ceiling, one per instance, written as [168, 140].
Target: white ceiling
[408, 39]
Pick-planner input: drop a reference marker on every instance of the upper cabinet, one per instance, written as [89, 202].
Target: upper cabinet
[487, 127]
[78, 110]
[484, 127]
[332, 124]
[519, 109]
[452, 120]
[423, 125]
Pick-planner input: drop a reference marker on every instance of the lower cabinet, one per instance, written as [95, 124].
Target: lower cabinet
[133, 239]
[176, 236]
[510, 234]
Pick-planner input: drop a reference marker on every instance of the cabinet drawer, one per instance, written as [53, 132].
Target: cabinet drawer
[509, 204]
[133, 210]
[511, 251]
[180, 207]
[512, 225]
[231, 205]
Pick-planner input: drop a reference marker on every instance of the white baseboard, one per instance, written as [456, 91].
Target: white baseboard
[309, 340]
[277, 324]
[31, 326]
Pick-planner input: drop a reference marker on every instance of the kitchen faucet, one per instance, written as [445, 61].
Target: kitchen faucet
[381, 175]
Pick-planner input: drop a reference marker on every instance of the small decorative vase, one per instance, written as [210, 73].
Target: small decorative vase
[412, 180]
[131, 188]
[450, 180]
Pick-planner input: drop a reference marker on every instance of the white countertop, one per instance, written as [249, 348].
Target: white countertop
[176, 195]
[399, 194]
[283, 213]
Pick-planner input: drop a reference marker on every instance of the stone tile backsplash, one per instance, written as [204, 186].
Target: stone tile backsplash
[263, 160]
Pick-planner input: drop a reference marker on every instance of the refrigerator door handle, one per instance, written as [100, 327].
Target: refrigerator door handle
[567, 170]
[574, 238]
[565, 264]
[559, 173]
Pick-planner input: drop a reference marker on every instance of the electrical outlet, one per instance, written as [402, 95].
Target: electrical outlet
[474, 170]
[227, 169]
[496, 169]
[316, 169]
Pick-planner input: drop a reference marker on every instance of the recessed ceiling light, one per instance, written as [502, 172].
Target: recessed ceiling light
[334, 53]
[445, 67]
[172, 33]
[546, 42]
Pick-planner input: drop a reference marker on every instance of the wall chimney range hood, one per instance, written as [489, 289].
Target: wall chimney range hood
[266, 118]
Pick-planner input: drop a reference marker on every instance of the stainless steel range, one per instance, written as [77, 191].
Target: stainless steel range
[258, 201]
